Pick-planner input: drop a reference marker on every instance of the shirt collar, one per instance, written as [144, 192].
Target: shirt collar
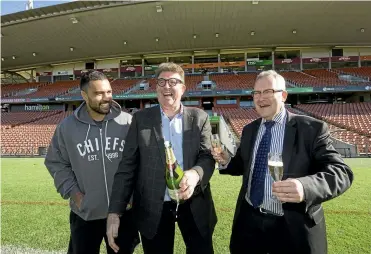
[181, 112]
[279, 118]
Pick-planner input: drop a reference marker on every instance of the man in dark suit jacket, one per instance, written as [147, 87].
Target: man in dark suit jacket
[142, 170]
[285, 216]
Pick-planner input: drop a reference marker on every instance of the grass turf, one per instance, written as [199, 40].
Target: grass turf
[35, 216]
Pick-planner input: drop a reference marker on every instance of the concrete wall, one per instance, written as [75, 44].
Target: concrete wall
[350, 52]
[365, 51]
[63, 68]
[345, 149]
[355, 97]
[315, 52]
[113, 63]
[226, 137]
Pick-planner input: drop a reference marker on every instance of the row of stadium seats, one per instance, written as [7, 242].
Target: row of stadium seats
[325, 77]
[9, 120]
[49, 90]
[317, 78]
[152, 87]
[234, 81]
[351, 116]
[358, 134]
[122, 85]
[229, 81]
[11, 89]
[361, 72]
[238, 117]
[363, 142]
[191, 82]
[24, 133]
[56, 89]
[26, 139]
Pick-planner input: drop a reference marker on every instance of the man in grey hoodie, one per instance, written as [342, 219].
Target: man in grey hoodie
[83, 157]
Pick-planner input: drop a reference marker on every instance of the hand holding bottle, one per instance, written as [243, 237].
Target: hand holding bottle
[173, 173]
[188, 184]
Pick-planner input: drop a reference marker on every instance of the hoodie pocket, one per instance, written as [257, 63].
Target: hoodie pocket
[82, 205]
[94, 203]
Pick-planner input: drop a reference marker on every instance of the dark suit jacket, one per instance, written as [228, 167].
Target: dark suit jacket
[309, 157]
[142, 169]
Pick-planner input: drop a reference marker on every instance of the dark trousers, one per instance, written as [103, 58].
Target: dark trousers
[258, 233]
[86, 236]
[163, 242]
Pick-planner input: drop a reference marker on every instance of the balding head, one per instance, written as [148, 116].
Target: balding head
[269, 94]
[280, 83]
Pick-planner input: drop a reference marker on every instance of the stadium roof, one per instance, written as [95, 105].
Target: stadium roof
[99, 29]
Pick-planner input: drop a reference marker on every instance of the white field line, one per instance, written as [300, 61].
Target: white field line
[12, 249]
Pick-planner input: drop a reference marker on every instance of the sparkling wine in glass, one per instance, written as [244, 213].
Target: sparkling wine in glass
[217, 145]
[275, 166]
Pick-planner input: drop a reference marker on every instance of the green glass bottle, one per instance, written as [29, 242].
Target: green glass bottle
[173, 173]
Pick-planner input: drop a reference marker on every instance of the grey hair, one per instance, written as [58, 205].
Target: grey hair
[280, 81]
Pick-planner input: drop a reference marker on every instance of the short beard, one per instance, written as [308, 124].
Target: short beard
[98, 110]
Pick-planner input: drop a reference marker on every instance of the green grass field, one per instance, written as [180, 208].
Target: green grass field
[35, 216]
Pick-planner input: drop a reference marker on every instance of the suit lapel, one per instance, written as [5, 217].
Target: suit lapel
[187, 136]
[157, 129]
[288, 143]
[250, 141]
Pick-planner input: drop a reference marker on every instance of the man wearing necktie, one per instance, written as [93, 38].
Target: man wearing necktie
[284, 216]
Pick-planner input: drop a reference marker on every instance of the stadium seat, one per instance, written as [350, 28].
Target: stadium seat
[355, 118]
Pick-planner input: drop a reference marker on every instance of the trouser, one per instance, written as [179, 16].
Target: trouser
[86, 236]
[163, 241]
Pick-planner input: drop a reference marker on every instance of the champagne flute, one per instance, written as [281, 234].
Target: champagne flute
[275, 166]
[217, 145]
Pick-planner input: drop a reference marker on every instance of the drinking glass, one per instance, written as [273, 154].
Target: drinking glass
[275, 166]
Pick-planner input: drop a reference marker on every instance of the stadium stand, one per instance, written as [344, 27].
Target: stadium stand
[9, 120]
[360, 72]
[351, 116]
[237, 117]
[26, 139]
[36, 90]
[314, 74]
[349, 122]
[120, 86]
[363, 143]
[360, 135]
[352, 119]
[56, 89]
[151, 88]
[321, 77]
[234, 81]
[19, 89]
[191, 82]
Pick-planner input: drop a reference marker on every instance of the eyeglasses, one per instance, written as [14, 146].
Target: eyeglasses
[172, 82]
[265, 93]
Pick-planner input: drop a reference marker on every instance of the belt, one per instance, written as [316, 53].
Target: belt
[261, 211]
[266, 212]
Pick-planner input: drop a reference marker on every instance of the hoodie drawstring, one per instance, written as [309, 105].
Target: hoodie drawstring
[105, 137]
[104, 165]
[105, 154]
[86, 137]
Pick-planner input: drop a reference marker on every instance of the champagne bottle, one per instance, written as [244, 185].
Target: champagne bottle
[173, 173]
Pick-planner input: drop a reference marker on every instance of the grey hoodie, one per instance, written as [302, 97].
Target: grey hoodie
[84, 158]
